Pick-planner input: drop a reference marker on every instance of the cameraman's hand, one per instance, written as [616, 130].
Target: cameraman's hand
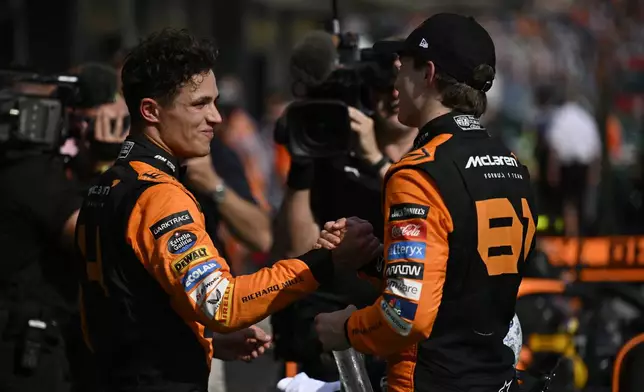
[103, 131]
[363, 125]
[357, 246]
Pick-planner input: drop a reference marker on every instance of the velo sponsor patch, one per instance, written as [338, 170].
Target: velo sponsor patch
[415, 229]
[405, 288]
[181, 241]
[402, 307]
[407, 211]
[406, 250]
[410, 270]
[170, 223]
[399, 325]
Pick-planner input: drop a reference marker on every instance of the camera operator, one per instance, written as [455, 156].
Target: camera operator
[100, 123]
[38, 211]
[324, 189]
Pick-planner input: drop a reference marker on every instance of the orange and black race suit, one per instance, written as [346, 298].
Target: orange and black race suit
[154, 287]
[459, 226]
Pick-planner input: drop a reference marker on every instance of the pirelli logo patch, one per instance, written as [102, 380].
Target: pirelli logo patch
[223, 313]
[196, 255]
[170, 223]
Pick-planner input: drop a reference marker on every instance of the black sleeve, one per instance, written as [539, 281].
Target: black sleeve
[46, 192]
[230, 168]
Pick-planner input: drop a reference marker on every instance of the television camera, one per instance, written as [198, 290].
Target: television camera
[318, 125]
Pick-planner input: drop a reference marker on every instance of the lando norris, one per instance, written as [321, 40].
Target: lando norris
[153, 286]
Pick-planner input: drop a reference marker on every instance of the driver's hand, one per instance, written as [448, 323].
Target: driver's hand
[363, 125]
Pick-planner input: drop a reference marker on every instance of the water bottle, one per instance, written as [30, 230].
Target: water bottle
[353, 372]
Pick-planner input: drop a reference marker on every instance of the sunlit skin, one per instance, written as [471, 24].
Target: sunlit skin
[185, 126]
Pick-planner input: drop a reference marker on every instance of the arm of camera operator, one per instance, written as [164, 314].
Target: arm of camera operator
[247, 221]
[295, 217]
[363, 126]
[110, 130]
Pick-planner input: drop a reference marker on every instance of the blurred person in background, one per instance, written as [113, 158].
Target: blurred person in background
[239, 133]
[574, 161]
[324, 189]
[153, 285]
[277, 159]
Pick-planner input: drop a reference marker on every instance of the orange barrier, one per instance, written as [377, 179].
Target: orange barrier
[605, 259]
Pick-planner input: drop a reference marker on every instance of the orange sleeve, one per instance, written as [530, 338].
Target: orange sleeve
[417, 224]
[167, 232]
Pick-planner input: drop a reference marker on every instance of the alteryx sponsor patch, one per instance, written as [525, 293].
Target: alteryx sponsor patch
[406, 250]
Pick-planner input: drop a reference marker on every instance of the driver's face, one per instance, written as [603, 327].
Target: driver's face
[388, 107]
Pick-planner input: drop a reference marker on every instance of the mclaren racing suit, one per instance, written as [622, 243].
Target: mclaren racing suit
[154, 286]
[459, 226]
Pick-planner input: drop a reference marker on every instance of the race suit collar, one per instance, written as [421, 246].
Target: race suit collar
[140, 148]
[452, 122]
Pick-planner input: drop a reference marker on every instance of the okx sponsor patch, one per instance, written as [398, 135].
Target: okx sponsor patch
[402, 307]
[196, 255]
[197, 273]
[406, 250]
[407, 211]
[170, 223]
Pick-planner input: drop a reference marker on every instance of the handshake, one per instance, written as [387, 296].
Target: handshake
[351, 241]
[353, 245]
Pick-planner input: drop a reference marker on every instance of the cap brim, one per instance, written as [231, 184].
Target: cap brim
[389, 47]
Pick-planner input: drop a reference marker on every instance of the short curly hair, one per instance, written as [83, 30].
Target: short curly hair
[162, 64]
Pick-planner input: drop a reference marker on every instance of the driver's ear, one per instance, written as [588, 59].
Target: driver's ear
[430, 73]
[149, 109]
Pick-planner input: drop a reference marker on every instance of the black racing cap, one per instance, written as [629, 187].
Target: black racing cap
[456, 44]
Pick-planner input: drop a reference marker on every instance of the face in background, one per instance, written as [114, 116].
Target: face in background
[411, 85]
[186, 125]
